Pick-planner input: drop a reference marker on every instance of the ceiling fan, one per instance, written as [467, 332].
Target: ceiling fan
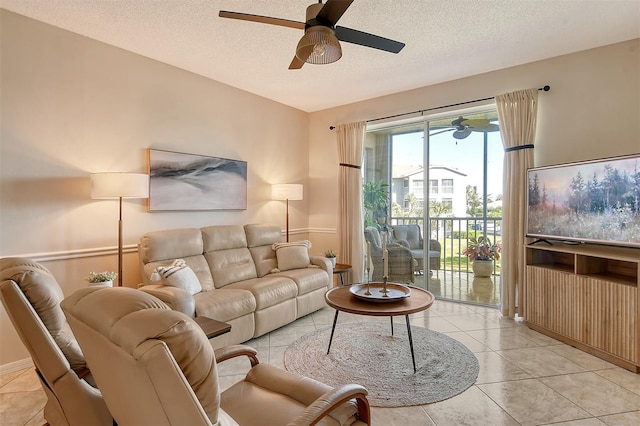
[319, 44]
[462, 127]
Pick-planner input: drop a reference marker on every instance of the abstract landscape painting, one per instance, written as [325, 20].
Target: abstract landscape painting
[195, 182]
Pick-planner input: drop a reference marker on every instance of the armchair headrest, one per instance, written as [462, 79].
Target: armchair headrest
[134, 320]
[44, 294]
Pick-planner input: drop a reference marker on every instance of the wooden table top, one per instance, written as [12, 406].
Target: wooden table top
[342, 299]
[341, 268]
[211, 327]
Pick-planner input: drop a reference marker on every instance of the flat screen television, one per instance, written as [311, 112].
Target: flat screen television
[595, 202]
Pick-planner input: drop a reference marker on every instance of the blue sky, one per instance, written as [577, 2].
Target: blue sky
[464, 155]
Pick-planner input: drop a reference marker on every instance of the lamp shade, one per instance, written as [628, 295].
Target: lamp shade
[319, 45]
[286, 191]
[116, 185]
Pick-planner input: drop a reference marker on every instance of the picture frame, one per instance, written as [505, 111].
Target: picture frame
[192, 182]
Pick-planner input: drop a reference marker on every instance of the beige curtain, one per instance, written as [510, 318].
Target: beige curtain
[350, 225]
[517, 112]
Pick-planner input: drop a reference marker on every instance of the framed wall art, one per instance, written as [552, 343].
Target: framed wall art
[180, 181]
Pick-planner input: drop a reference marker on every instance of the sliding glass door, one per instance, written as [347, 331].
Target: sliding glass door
[454, 202]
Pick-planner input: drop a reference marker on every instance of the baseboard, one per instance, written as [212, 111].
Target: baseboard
[11, 367]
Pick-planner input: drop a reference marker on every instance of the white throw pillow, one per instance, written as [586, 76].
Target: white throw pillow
[178, 274]
[293, 255]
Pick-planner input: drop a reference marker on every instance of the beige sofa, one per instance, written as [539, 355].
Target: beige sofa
[236, 267]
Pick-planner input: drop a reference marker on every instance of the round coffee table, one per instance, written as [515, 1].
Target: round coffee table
[341, 299]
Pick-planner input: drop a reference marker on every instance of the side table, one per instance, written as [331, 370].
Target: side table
[341, 269]
[211, 327]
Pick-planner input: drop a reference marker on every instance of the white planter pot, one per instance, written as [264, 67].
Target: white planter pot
[104, 283]
[333, 260]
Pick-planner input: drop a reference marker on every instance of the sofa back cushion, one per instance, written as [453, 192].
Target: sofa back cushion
[408, 233]
[161, 248]
[226, 252]
[260, 238]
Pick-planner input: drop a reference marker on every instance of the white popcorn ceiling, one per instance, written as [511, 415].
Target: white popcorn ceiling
[445, 39]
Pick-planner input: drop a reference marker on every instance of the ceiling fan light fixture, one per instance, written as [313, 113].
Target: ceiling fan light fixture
[319, 45]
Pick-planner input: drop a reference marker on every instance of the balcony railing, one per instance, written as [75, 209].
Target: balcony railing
[454, 233]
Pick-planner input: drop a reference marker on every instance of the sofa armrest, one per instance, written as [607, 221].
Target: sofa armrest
[323, 263]
[331, 400]
[403, 243]
[176, 298]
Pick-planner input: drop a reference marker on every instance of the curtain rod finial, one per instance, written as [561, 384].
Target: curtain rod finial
[332, 127]
[546, 88]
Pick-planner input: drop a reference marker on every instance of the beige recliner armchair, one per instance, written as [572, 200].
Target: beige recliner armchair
[31, 297]
[155, 366]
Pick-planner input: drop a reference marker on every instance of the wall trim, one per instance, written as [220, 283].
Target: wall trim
[75, 254]
[14, 366]
[130, 248]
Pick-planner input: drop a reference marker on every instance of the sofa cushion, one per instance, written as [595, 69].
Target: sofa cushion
[170, 244]
[259, 239]
[307, 279]
[178, 274]
[225, 304]
[226, 252]
[408, 233]
[262, 235]
[293, 255]
[268, 291]
[223, 238]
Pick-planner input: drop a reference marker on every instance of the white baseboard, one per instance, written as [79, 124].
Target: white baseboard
[21, 364]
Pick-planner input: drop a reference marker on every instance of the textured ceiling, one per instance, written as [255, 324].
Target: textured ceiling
[445, 39]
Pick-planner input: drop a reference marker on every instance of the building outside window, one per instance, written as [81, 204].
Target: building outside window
[433, 186]
[447, 186]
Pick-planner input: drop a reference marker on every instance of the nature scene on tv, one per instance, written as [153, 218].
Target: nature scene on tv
[596, 201]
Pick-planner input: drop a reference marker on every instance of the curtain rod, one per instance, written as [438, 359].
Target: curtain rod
[421, 111]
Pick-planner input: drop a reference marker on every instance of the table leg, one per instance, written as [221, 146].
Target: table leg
[335, 320]
[341, 279]
[413, 357]
[391, 318]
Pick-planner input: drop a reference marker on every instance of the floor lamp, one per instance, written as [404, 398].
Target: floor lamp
[118, 186]
[286, 192]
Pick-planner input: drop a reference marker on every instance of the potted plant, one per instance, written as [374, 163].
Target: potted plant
[331, 255]
[101, 278]
[482, 253]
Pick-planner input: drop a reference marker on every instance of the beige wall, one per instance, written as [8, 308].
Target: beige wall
[592, 111]
[71, 106]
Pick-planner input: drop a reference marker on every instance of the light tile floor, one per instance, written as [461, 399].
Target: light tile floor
[525, 377]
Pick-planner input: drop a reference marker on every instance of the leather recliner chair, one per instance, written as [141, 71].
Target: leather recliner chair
[155, 366]
[31, 296]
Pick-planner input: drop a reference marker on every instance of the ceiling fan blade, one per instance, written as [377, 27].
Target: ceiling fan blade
[441, 131]
[461, 134]
[262, 19]
[475, 122]
[296, 63]
[369, 40]
[333, 10]
[491, 128]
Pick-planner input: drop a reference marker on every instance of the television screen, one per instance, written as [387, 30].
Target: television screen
[594, 201]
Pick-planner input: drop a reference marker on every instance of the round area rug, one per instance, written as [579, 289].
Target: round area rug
[368, 355]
